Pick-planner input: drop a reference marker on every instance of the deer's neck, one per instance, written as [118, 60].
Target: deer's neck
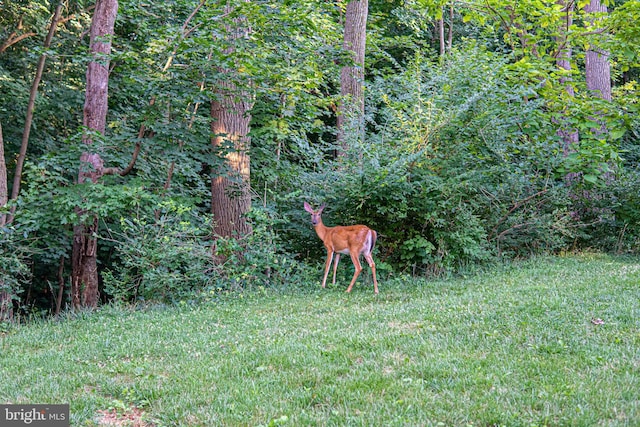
[321, 230]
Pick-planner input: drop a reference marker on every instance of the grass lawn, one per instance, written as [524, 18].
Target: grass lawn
[553, 341]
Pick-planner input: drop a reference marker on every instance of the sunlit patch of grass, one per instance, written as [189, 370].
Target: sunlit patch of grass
[513, 346]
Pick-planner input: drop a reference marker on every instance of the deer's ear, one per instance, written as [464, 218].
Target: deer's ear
[307, 207]
[322, 207]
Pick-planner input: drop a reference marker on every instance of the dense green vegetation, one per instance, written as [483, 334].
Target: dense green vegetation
[157, 267]
[467, 156]
[548, 342]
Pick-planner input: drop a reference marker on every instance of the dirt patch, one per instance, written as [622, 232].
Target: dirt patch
[131, 417]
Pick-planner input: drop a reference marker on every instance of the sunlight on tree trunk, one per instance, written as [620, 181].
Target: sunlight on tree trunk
[230, 191]
[230, 121]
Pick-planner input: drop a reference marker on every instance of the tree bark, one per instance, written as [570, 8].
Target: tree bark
[441, 32]
[230, 125]
[60, 286]
[84, 275]
[351, 108]
[597, 67]
[230, 192]
[6, 303]
[4, 185]
[450, 35]
[6, 306]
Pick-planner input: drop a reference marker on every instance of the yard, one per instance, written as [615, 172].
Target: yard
[551, 341]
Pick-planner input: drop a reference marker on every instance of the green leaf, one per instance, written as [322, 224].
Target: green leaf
[617, 133]
[592, 179]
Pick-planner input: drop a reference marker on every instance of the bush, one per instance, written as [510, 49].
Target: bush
[167, 260]
[611, 214]
[261, 259]
[14, 271]
[458, 168]
[175, 258]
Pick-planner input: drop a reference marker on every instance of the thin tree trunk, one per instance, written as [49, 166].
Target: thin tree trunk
[84, 275]
[441, 33]
[351, 108]
[17, 177]
[6, 306]
[4, 185]
[450, 37]
[6, 303]
[60, 286]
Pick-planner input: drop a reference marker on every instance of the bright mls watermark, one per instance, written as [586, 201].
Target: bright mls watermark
[34, 415]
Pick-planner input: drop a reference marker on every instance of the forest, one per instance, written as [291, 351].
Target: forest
[162, 151]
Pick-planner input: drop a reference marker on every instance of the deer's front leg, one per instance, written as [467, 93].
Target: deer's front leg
[327, 264]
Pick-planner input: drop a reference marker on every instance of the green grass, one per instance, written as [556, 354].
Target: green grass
[514, 346]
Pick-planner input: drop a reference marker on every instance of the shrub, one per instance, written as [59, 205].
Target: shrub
[168, 259]
[261, 259]
[14, 270]
[459, 167]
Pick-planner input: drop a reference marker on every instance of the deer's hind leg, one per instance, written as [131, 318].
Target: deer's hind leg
[335, 267]
[372, 264]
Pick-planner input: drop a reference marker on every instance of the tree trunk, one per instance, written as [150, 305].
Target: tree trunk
[60, 286]
[450, 36]
[597, 68]
[6, 303]
[84, 275]
[230, 121]
[441, 33]
[4, 185]
[231, 191]
[351, 108]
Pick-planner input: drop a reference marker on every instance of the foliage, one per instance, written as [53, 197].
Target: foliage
[165, 260]
[625, 37]
[612, 215]
[14, 263]
[259, 260]
[458, 168]
[463, 161]
[173, 258]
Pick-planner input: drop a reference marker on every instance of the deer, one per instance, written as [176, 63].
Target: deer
[354, 240]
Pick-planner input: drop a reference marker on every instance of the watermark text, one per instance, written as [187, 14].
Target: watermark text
[34, 415]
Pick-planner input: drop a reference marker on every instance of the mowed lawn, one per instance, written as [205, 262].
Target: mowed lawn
[552, 341]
